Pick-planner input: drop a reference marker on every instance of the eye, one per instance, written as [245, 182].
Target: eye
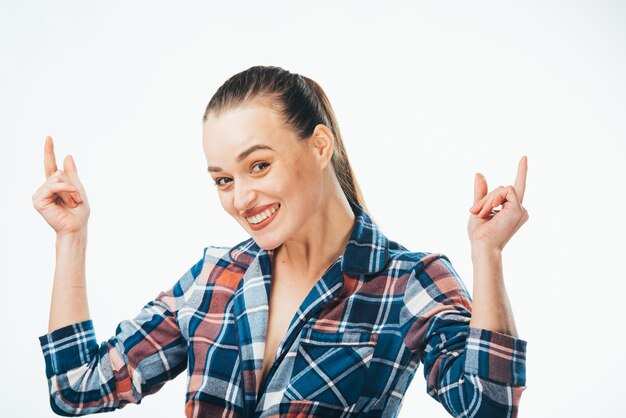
[218, 181]
[260, 164]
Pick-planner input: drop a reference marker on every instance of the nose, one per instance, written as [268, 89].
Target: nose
[243, 196]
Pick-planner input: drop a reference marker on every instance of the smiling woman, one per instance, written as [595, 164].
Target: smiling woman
[318, 313]
[274, 169]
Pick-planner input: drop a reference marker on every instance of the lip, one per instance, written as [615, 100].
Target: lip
[266, 221]
[257, 210]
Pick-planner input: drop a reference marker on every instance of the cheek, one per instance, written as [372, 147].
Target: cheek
[305, 184]
[295, 183]
[226, 203]
[304, 170]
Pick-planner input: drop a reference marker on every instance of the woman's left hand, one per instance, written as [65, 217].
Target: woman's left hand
[493, 228]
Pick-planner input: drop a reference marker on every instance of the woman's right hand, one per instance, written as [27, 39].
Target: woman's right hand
[62, 200]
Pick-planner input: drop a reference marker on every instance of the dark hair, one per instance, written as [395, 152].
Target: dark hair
[302, 104]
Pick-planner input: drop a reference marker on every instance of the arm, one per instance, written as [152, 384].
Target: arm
[69, 292]
[472, 372]
[146, 351]
[489, 230]
[473, 361]
[491, 306]
[62, 201]
[85, 376]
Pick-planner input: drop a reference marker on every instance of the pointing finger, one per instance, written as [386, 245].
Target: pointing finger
[520, 179]
[49, 161]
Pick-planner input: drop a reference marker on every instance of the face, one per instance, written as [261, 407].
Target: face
[266, 178]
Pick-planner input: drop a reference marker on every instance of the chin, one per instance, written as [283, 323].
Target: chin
[267, 242]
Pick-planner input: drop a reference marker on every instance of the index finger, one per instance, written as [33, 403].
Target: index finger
[520, 180]
[49, 161]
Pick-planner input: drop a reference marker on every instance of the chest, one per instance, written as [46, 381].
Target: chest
[286, 295]
[225, 321]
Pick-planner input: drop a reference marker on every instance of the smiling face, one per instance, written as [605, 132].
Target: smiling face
[267, 179]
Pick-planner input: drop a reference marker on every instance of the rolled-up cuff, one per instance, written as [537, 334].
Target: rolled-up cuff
[68, 347]
[495, 356]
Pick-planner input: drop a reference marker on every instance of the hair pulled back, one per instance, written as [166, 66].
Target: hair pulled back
[302, 104]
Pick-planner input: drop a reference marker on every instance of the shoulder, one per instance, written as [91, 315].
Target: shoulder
[218, 260]
[230, 253]
[214, 253]
[415, 261]
[429, 285]
[422, 271]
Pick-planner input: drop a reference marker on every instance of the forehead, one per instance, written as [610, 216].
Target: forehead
[238, 128]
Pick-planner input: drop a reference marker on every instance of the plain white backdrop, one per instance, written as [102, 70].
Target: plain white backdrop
[426, 94]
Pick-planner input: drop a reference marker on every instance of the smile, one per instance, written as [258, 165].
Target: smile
[260, 220]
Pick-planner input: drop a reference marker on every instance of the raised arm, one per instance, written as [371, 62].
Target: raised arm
[85, 376]
[62, 201]
[489, 230]
[474, 362]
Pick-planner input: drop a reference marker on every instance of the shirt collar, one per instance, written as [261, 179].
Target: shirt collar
[367, 250]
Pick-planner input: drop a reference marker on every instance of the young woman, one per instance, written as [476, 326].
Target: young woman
[318, 313]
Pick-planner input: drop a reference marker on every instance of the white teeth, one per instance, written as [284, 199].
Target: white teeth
[263, 215]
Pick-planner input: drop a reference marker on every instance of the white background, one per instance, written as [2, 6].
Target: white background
[426, 95]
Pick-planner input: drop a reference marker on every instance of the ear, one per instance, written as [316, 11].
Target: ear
[322, 141]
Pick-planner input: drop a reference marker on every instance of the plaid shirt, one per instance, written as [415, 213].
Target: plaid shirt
[352, 348]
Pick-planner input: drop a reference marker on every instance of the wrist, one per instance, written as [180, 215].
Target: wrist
[480, 250]
[72, 240]
[79, 235]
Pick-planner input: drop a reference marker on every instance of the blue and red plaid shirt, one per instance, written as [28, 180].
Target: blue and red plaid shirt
[352, 348]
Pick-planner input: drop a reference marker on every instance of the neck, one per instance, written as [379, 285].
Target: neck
[317, 245]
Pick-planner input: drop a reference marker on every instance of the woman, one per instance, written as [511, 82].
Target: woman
[352, 315]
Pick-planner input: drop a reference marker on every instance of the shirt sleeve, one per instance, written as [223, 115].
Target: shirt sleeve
[85, 376]
[472, 372]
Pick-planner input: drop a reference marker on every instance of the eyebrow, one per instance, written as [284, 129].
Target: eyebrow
[243, 155]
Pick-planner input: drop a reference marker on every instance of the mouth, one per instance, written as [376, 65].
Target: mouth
[262, 219]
